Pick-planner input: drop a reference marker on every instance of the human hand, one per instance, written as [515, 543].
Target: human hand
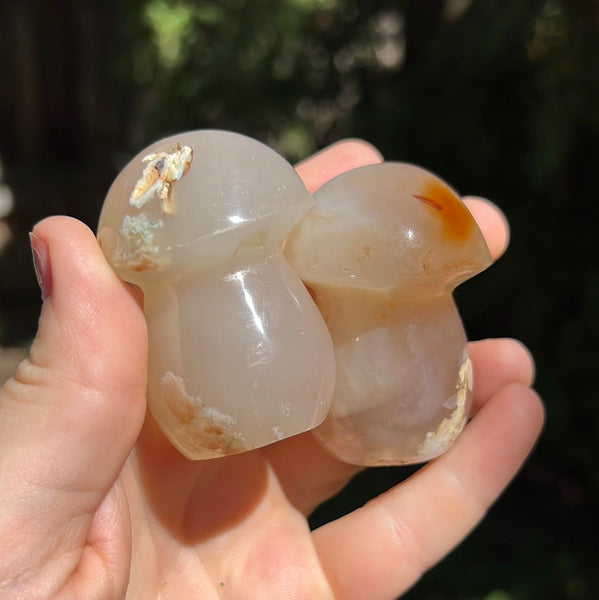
[95, 503]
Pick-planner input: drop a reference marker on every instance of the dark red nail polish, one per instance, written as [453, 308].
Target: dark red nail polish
[41, 264]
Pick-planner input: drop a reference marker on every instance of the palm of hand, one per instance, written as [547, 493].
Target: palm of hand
[233, 527]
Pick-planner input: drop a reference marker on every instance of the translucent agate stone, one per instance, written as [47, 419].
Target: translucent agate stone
[381, 252]
[239, 355]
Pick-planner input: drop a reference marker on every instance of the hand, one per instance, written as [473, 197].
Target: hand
[95, 503]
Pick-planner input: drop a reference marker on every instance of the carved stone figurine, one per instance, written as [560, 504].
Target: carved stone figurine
[382, 251]
[239, 355]
[221, 235]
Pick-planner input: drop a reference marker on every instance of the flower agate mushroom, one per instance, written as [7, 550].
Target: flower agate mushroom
[239, 355]
[381, 252]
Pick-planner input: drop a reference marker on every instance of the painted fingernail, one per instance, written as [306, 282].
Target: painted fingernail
[41, 264]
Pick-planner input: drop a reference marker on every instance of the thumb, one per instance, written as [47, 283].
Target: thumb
[72, 412]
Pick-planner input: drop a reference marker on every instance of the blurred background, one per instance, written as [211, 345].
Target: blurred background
[499, 97]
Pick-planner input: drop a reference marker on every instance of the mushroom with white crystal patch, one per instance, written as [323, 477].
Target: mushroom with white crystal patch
[239, 355]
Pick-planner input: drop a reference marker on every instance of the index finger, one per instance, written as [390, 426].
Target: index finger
[336, 159]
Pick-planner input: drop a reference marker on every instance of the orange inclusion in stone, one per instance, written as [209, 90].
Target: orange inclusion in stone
[457, 220]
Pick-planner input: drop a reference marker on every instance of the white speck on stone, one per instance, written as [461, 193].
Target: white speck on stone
[278, 432]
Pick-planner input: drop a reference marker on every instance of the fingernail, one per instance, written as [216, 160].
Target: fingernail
[41, 264]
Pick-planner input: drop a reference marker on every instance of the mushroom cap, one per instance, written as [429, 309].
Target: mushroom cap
[193, 200]
[388, 226]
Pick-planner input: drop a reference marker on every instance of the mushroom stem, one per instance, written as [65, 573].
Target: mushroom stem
[398, 376]
[235, 351]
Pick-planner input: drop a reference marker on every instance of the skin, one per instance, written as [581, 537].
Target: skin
[95, 503]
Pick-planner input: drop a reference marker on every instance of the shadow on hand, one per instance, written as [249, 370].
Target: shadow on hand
[196, 500]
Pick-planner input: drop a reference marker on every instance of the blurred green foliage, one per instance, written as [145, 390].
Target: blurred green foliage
[500, 97]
